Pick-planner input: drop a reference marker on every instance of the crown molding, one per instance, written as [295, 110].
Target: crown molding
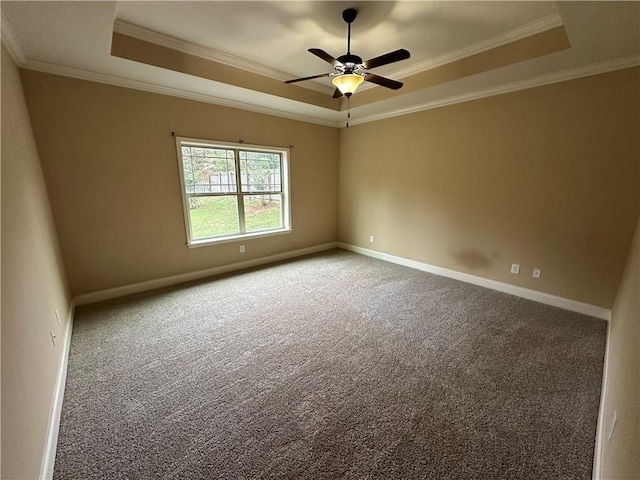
[15, 50]
[170, 91]
[556, 77]
[10, 41]
[532, 28]
[524, 31]
[541, 80]
[207, 53]
[527, 30]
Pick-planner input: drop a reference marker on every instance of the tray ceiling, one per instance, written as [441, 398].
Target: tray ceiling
[240, 53]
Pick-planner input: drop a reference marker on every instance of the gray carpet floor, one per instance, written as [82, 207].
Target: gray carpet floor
[331, 366]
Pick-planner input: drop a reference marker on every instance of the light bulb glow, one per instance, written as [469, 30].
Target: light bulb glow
[348, 82]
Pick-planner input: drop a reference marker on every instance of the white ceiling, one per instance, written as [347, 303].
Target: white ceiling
[271, 38]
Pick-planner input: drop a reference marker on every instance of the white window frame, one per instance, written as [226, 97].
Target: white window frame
[285, 203]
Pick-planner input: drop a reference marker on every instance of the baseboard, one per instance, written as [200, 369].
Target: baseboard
[546, 298]
[600, 429]
[49, 459]
[110, 293]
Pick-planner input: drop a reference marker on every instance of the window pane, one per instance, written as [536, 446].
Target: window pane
[260, 171]
[209, 170]
[213, 216]
[262, 212]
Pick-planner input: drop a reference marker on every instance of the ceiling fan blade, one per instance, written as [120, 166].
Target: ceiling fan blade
[325, 56]
[385, 82]
[387, 58]
[307, 78]
[337, 93]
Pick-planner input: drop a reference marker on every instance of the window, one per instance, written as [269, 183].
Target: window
[232, 191]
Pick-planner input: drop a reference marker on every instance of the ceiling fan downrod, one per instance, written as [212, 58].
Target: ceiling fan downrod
[350, 62]
[349, 15]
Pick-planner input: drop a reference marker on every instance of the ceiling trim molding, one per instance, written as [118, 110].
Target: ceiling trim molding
[169, 91]
[556, 77]
[10, 41]
[532, 28]
[528, 29]
[207, 53]
[541, 80]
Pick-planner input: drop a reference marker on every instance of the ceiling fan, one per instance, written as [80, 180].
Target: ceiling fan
[350, 70]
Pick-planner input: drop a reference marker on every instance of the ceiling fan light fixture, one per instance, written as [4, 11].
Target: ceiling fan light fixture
[347, 82]
[350, 70]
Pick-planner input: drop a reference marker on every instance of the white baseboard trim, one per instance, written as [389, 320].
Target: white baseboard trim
[116, 292]
[546, 298]
[49, 459]
[600, 430]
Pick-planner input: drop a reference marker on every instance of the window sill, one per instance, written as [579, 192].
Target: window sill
[237, 238]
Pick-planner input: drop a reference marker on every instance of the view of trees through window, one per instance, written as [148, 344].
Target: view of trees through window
[231, 191]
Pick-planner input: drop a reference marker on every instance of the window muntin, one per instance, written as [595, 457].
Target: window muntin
[232, 190]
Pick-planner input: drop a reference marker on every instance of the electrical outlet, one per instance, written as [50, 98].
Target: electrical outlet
[370, 238]
[515, 268]
[53, 338]
[536, 273]
[613, 423]
[242, 250]
[58, 316]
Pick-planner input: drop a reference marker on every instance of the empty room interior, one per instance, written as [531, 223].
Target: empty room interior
[320, 239]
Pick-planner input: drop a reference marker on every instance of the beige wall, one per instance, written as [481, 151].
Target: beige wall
[33, 286]
[110, 165]
[621, 455]
[545, 177]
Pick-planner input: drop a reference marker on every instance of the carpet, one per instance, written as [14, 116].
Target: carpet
[332, 366]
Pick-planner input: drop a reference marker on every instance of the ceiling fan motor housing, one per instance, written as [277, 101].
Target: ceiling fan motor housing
[350, 63]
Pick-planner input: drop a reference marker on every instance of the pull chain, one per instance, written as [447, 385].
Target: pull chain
[348, 109]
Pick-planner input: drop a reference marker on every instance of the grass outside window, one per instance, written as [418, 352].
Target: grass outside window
[216, 216]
